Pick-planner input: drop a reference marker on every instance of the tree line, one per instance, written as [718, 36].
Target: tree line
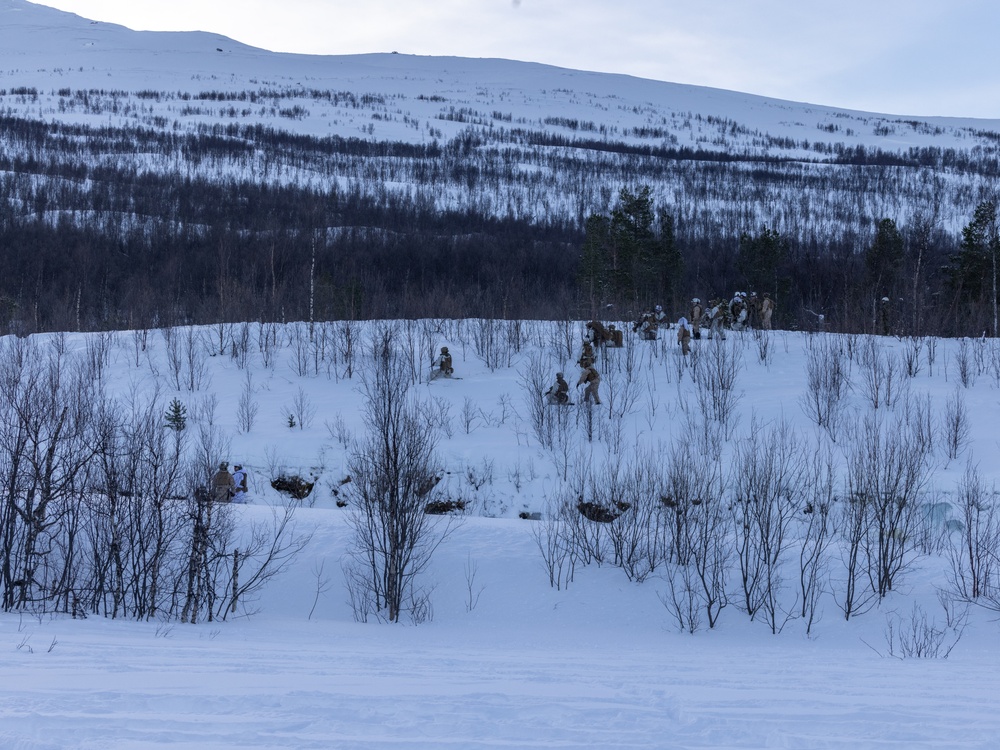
[107, 227]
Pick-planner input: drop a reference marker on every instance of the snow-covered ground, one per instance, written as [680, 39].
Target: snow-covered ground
[506, 660]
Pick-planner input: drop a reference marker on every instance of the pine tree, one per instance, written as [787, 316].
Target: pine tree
[176, 416]
[761, 258]
[884, 258]
[631, 255]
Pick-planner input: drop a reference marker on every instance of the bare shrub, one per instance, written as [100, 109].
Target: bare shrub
[973, 556]
[912, 355]
[827, 383]
[886, 472]
[696, 532]
[247, 408]
[716, 377]
[682, 598]
[492, 342]
[920, 422]
[816, 529]
[917, 636]
[535, 377]
[964, 365]
[393, 537]
[765, 346]
[554, 538]
[955, 425]
[765, 483]
[436, 412]
[879, 374]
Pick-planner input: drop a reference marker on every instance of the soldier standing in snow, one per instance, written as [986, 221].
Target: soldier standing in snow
[738, 311]
[240, 482]
[592, 378]
[615, 337]
[753, 311]
[588, 357]
[696, 313]
[717, 316]
[684, 335]
[223, 484]
[766, 310]
[596, 333]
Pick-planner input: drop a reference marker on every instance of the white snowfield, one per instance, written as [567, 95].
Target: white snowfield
[506, 660]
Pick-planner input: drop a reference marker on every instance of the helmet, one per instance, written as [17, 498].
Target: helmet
[658, 308]
[223, 464]
[696, 300]
[559, 375]
[238, 467]
[444, 349]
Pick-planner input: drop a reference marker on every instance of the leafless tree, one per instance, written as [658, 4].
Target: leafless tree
[816, 524]
[708, 540]
[491, 344]
[765, 482]
[912, 355]
[247, 408]
[240, 346]
[174, 355]
[253, 557]
[48, 439]
[886, 471]
[964, 365]
[536, 378]
[920, 422]
[302, 409]
[631, 491]
[974, 555]
[955, 425]
[267, 343]
[827, 383]
[717, 376]
[879, 374]
[135, 520]
[553, 535]
[394, 538]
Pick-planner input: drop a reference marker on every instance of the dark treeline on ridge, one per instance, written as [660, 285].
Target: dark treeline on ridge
[133, 227]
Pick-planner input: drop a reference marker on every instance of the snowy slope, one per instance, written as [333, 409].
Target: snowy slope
[49, 49]
[508, 660]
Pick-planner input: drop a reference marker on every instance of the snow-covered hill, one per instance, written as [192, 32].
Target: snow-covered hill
[51, 49]
[58, 67]
[502, 657]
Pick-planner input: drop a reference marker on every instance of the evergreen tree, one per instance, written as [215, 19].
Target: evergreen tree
[176, 416]
[593, 274]
[631, 255]
[884, 258]
[761, 258]
[973, 270]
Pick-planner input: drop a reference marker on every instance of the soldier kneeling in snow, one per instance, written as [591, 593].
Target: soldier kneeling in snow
[559, 393]
[443, 364]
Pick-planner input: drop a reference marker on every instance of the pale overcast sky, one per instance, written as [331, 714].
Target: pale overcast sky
[916, 57]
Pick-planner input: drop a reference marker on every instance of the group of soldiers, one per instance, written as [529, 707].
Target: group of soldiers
[228, 487]
[744, 311]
